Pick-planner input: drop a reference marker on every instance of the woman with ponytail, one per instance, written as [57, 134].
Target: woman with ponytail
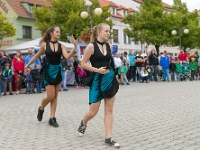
[52, 69]
[104, 84]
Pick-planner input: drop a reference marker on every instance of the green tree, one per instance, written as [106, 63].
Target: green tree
[66, 15]
[6, 28]
[148, 24]
[184, 19]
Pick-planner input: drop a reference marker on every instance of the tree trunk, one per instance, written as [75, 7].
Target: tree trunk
[157, 49]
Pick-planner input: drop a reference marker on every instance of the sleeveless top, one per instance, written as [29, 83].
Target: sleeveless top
[53, 57]
[98, 59]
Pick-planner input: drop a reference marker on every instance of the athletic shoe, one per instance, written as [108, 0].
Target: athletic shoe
[81, 129]
[17, 92]
[127, 83]
[53, 122]
[40, 114]
[112, 143]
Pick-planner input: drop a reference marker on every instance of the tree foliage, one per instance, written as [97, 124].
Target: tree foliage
[6, 28]
[153, 24]
[186, 20]
[66, 15]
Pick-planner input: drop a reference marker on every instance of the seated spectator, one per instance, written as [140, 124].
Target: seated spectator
[144, 75]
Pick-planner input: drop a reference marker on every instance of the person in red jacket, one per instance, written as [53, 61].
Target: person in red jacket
[81, 73]
[18, 67]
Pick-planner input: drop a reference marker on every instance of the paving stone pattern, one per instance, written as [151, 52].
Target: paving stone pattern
[153, 116]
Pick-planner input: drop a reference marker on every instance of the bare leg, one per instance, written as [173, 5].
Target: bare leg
[50, 89]
[92, 112]
[108, 118]
[54, 102]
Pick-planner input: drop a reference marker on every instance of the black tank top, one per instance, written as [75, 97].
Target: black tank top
[53, 57]
[98, 59]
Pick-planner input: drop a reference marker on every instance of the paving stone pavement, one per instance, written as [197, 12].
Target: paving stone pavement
[153, 116]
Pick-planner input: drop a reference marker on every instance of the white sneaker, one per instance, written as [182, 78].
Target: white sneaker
[2, 94]
[17, 92]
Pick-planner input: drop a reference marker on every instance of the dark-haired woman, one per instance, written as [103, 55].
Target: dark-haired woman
[104, 84]
[153, 63]
[52, 70]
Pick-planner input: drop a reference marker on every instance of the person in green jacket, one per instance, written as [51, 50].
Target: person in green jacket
[122, 72]
[178, 71]
[193, 66]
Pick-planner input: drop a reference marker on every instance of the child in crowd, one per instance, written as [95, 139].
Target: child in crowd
[7, 78]
[193, 67]
[122, 72]
[144, 75]
[172, 68]
[81, 73]
[29, 81]
[38, 78]
[178, 71]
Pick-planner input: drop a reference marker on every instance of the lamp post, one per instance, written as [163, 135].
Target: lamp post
[174, 32]
[97, 11]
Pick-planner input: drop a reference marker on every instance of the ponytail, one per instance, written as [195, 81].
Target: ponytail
[47, 35]
[95, 30]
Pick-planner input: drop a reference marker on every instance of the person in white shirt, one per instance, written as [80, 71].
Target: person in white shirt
[118, 63]
[144, 75]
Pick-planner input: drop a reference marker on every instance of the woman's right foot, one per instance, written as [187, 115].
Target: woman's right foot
[53, 122]
[40, 114]
[81, 129]
[112, 143]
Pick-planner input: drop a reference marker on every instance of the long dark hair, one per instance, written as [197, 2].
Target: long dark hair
[47, 35]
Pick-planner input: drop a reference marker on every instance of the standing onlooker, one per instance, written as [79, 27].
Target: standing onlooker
[64, 73]
[38, 77]
[7, 78]
[153, 63]
[29, 81]
[138, 64]
[183, 57]
[81, 73]
[131, 69]
[2, 67]
[164, 63]
[118, 63]
[29, 57]
[32, 66]
[172, 68]
[18, 67]
[178, 71]
[193, 67]
[75, 64]
[122, 72]
[8, 60]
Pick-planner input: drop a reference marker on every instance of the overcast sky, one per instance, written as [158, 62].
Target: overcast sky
[191, 4]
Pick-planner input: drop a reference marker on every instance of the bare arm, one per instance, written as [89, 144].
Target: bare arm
[64, 50]
[37, 55]
[89, 51]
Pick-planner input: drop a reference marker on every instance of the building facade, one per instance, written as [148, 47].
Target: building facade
[19, 13]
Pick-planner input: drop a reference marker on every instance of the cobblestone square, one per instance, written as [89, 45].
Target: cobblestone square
[153, 116]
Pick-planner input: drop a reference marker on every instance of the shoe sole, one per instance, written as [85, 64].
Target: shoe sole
[80, 134]
[113, 146]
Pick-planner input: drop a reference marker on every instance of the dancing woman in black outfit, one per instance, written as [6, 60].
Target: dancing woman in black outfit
[52, 72]
[99, 54]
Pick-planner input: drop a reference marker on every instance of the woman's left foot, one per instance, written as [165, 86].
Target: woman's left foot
[112, 143]
[53, 122]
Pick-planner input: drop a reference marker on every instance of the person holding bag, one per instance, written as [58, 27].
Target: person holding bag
[52, 69]
[104, 84]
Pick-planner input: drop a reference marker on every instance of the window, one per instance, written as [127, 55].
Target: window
[175, 54]
[124, 38]
[27, 32]
[136, 42]
[31, 7]
[129, 40]
[115, 34]
[124, 12]
[113, 11]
